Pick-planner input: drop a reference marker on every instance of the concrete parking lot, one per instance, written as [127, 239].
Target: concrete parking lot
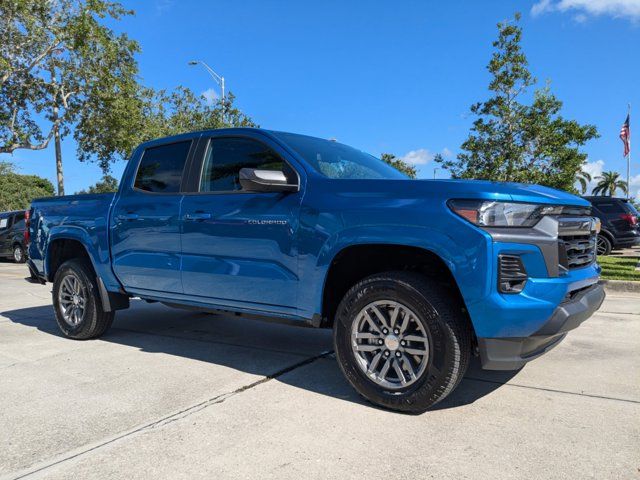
[177, 394]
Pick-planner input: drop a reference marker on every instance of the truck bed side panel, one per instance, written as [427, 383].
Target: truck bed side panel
[84, 218]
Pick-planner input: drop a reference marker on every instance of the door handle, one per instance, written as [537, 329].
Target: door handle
[127, 217]
[197, 216]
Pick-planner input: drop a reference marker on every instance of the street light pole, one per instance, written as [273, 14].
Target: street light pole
[219, 79]
[434, 172]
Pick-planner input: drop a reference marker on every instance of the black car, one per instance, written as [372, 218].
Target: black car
[12, 244]
[620, 226]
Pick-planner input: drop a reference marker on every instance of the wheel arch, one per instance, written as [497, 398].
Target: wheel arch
[355, 262]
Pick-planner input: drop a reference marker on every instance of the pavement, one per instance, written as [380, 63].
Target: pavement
[178, 394]
[627, 252]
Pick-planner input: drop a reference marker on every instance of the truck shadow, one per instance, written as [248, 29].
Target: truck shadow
[250, 346]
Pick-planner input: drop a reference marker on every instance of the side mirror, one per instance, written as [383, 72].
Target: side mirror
[253, 180]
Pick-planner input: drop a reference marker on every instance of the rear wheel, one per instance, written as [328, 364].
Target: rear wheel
[603, 245]
[18, 254]
[401, 341]
[77, 303]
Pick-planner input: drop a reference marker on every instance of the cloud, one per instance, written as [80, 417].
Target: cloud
[163, 6]
[594, 168]
[634, 183]
[629, 9]
[210, 96]
[446, 153]
[422, 156]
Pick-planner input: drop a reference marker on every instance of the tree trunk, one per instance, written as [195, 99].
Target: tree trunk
[58, 146]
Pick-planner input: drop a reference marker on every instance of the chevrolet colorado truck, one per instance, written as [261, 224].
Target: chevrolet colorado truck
[414, 276]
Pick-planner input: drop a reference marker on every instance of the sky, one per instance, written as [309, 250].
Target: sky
[396, 77]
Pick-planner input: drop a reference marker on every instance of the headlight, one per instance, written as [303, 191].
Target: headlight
[502, 214]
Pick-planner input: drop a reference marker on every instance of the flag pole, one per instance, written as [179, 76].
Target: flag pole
[629, 154]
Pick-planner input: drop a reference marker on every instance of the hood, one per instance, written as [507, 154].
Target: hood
[471, 189]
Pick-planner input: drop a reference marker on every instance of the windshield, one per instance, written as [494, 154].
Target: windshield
[336, 160]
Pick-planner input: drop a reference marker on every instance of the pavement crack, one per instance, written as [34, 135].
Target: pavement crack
[553, 390]
[168, 418]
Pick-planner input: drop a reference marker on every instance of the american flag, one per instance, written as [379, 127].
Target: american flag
[625, 136]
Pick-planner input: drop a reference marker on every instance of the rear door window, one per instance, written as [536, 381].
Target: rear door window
[160, 169]
[4, 223]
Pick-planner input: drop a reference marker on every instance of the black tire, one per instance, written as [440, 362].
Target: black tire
[18, 254]
[603, 245]
[443, 320]
[95, 321]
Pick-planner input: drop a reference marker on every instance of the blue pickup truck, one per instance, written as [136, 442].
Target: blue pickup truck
[414, 276]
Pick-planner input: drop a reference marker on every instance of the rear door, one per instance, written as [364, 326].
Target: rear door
[145, 221]
[238, 247]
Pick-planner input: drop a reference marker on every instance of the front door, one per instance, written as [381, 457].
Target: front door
[238, 247]
[145, 221]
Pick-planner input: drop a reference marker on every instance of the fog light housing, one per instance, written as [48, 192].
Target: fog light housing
[512, 275]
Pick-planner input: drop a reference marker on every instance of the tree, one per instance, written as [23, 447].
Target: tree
[61, 66]
[108, 184]
[512, 141]
[399, 164]
[608, 183]
[17, 191]
[583, 179]
[146, 114]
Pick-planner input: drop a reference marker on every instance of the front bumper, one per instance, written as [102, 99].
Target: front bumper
[511, 353]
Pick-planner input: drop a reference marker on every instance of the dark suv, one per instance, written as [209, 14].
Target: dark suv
[619, 219]
[12, 244]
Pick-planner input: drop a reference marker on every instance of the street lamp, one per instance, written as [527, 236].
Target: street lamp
[218, 78]
[434, 172]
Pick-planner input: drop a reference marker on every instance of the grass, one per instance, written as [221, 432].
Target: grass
[620, 268]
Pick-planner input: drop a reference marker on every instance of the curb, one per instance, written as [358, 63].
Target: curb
[620, 286]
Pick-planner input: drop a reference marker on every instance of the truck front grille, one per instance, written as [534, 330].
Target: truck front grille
[577, 251]
[576, 242]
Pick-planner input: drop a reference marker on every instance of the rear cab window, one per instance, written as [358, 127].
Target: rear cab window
[160, 169]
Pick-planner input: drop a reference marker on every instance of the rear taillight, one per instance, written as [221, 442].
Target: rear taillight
[27, 226]
[632, 219]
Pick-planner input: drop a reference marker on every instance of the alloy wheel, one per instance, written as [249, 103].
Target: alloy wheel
[72, 300]
[601, 246]
[390, 344]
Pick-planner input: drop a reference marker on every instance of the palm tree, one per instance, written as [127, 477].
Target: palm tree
[608, 183]
[583, 179]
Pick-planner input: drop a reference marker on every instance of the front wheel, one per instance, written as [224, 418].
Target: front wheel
[401, 341]
[77, 303]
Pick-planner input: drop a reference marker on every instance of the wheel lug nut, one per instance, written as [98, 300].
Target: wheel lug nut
[397, 354]
[380, 342]
[396, 331]
[386, 353]
[385, 331]
[403, 343]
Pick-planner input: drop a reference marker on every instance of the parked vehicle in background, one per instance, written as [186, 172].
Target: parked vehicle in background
[620, 223]
[12, 242]
[414, 276]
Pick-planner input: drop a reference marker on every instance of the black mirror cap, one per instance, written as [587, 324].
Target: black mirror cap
[254, 180]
